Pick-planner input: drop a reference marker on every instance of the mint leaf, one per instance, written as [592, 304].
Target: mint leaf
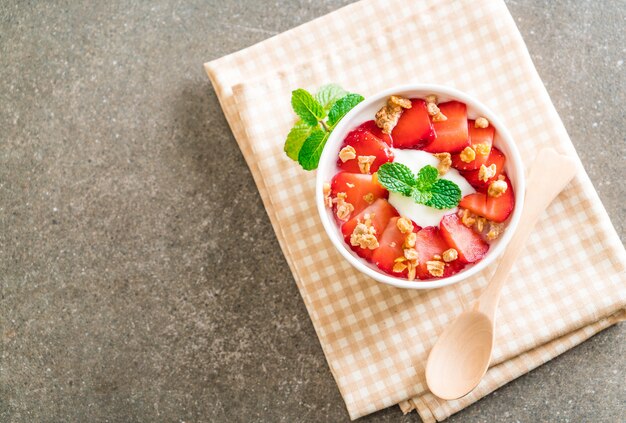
[425, 189]
[308, 108]
[343, 106]
[421, 197]
[426, 177]
[309, 156]
[445, 194]
[396, 177]
[329, 94]
[296, 138]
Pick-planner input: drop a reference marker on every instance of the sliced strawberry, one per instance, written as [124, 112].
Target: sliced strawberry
[496, 157]
[380, 213]
[357, 186]
[497, 209]
[476, 136]
[391, 247]
[371, 127]
[414, 129]
[430, 243]
[464, 240]
[365, 144]
[452, 134]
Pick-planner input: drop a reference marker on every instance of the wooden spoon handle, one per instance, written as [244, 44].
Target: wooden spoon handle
[549, 174]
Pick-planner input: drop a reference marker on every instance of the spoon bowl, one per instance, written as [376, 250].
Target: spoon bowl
[461, 356]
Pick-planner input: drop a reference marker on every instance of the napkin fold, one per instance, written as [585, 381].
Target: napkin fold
[569, 282]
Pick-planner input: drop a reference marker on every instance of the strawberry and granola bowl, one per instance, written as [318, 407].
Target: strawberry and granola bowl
[420, 186]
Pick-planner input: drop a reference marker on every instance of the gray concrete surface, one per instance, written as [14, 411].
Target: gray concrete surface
[131, 291]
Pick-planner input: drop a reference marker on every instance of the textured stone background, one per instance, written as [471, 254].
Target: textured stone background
[140, 277]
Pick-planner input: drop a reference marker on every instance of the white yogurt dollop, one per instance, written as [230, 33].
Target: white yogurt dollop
[406, 206]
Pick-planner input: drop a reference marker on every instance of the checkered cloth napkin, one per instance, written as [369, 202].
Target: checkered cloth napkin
[569, 282]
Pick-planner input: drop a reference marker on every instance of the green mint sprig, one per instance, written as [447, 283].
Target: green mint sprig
[425, 188]
[319, 115]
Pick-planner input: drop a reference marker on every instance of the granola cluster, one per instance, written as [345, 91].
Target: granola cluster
[482, 149]
[364, 234]
[344, 209]
[486, 172]
[497, 188]
[433, 109]
[347, 153]
[480, 224]
[404, 225]
[468, 155]
[481, 122]
[435, 267]
[365, 163]
[328, 202]
[387, 117]
[450, 255]
[445, 161]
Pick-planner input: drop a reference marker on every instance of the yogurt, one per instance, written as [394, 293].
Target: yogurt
[406, 206]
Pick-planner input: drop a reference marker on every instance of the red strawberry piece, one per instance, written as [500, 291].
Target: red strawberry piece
[476, 136]
[365, 144]
[380, 213]
[497, 209]
[357, 186]
[371, 127]
[430, 243]
[464, 240]
[391, 247]
[452, 134]
[496, 157]
[414, 129]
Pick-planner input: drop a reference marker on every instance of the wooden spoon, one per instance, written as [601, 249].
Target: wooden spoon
[462, 353]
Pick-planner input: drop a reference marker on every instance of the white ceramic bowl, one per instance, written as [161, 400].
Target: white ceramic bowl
[365, 111]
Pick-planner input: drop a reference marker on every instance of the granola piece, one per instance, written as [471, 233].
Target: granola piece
[436, 257]
[439, 117]
[369, 198]
[450, 255]
[480, 223]
[435, 268]
[399, 267]
[495, 230]
[481, 122]
[344, 209]
[412, 266]
[445, 161]
[404, 225]
[431, 98]
[432, 109]
[364, 234]
[388, 115]
[396, 100]
[468, 218]
[410, 240]
[468, 155]
[365, 163]
[482, 149]
[410, 254]
[485, 173]
[347, 153]
[497, 188]
[328, 202]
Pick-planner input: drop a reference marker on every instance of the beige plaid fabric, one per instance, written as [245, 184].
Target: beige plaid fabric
[569, 282]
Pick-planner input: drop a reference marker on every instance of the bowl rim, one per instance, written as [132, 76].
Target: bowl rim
[517, 169]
